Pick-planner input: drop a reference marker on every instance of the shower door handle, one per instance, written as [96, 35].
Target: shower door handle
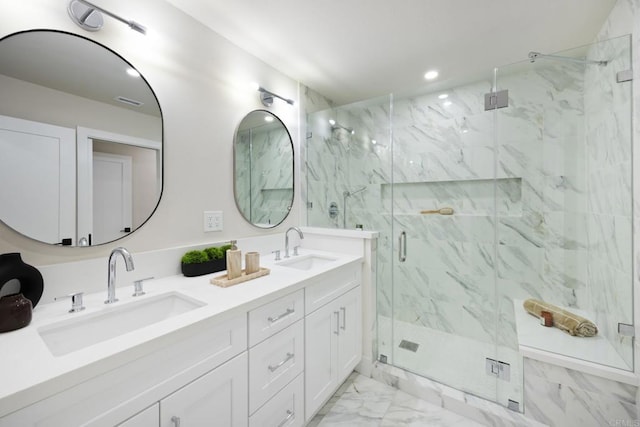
[402, 250]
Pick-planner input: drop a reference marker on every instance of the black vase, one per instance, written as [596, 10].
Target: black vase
[192, 270]
[13, 268]
[15, 312]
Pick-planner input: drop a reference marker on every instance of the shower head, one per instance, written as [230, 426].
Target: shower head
[335, 125]
[533, 56]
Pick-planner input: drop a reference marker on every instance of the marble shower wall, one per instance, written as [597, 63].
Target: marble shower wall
[263, 187]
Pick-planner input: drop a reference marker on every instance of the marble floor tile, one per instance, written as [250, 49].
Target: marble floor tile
[364, 402]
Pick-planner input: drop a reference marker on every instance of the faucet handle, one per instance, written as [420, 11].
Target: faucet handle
[76, 301]
[277, 252]
[295, 250]
[137, 287]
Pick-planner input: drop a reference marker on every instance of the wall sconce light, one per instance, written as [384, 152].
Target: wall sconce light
[266, 96]
[88, 16]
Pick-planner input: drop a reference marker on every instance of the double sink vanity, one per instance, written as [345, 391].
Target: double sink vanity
[267, 352]
[172, 351]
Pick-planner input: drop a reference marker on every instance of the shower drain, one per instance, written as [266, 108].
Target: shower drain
[409, 345]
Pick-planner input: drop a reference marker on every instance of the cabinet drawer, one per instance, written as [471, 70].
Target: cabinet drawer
[331, 285]
[273, 317]
[285, 409]
[274, 363]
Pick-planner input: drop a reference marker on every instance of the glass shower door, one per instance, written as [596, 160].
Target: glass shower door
[442, 199]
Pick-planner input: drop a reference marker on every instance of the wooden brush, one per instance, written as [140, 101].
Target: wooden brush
[441, 211]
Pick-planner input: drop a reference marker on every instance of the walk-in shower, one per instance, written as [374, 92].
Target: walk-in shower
[540, 187]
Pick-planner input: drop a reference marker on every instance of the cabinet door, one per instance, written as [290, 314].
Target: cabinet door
[321, 339]
[218, 398]
[350, 332]
[147, 418]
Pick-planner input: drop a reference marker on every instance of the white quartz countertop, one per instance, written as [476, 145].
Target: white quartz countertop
[29, 372]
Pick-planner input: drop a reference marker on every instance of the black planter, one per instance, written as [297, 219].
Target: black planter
[13, 268]
[192, 270]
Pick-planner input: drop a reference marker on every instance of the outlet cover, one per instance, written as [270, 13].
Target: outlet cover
[212, 221]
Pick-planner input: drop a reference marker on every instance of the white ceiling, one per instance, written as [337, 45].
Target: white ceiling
[76, 66]
[350, 50]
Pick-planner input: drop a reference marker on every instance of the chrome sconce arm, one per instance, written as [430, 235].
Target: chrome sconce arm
[88, 16]
[266, 96]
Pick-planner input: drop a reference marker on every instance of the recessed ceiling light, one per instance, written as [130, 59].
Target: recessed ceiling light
[374, 142]
[430, 75]
[332, 122]
[443, 96]
[132, 72]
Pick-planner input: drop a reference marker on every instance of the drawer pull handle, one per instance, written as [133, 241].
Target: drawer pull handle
[274, 368]
[287, 418]
[337, 331]
[176, 421]
[285, 314]
[344, 318]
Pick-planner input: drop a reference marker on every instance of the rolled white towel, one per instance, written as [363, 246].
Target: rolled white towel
[562, 319]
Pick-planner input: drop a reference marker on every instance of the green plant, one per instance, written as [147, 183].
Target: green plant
[214, 253]
[208, 254]
[195, 257]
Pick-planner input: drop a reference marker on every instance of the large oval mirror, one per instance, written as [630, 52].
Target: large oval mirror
[80, 137]
[263, 169]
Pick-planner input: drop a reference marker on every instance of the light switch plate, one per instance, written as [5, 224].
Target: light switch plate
[212, 220]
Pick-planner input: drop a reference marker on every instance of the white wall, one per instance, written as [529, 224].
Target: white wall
[201, 81]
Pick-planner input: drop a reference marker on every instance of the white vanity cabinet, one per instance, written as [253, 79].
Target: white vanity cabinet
[269, 365]
[115, 395]
[333, 336]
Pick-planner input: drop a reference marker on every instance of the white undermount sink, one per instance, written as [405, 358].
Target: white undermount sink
[86, 330]
[306, 262]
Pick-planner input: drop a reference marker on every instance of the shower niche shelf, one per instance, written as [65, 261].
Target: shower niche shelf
[467, 197]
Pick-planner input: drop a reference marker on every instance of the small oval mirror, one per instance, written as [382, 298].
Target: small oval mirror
[263, 169]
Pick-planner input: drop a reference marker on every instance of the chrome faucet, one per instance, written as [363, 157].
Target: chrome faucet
[111, 284]
[286, 240]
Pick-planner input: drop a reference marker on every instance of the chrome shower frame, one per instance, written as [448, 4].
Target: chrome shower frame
[533, 56]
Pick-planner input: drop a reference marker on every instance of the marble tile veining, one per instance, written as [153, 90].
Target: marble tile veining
[364, 402]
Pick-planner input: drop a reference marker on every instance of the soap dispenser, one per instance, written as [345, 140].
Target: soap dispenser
[234, 261]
